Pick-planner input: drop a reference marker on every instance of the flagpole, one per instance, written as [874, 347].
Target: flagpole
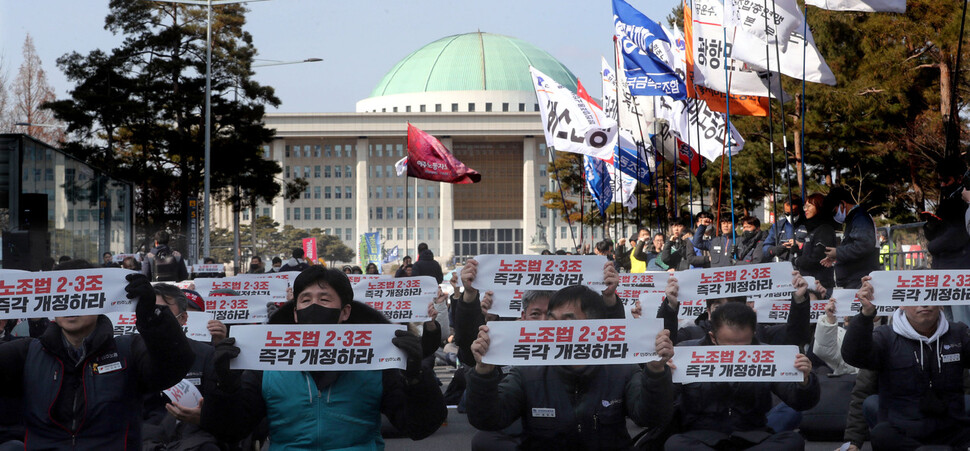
[727, 131]
[784, 132]
[633, 100]
[771, 129]
[804, 103]
[582, 214]
[407, 241]
[617, 151]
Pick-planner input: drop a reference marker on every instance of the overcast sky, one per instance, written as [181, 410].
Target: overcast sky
[359, 40]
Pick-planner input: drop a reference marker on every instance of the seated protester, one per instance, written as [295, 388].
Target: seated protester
[828, 340]
[920, 359]
[796, 331]
[82, 387]
[721, 247]
[295, 264]
[168, 425]
[583, 419]
[324, 409]
[749, 249]
[720, 415]
[194, 303]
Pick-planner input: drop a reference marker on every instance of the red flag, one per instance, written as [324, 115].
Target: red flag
[690, 157]
[429, 160]
[581, 92]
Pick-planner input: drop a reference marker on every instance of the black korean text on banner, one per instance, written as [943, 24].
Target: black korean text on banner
[846, 304]
[260, 287]
[687, 308]
[777, 310]
[317, 347]
[537, 272]
[63, 293]
[735, 364]
[900, 288]
[709, 283]
[195, 328]
[248, 304]
[580, 342]
[402, 300]
[208, 268]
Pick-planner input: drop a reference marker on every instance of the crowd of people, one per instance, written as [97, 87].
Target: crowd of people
[72, 384]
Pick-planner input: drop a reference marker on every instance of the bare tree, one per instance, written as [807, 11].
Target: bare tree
[6, 118]
[31, 91]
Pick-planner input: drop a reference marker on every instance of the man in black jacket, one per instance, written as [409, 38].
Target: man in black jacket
[946, 232]
[345, 407]
[920, 359]
[720, 415]
[571, 407]
[426, 265]
[82, 387]
[721, 247]
[857, 255]
[163, 264]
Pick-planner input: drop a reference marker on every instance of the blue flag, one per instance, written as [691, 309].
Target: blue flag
[646, 74]
[598, 182]
[392, 255]
[633, 163]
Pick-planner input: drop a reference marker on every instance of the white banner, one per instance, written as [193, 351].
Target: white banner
[196, 324]
[288, 276]
[869, 6]
[649, 279]
[538, 272]
[709, 283]
[118, 258]
[581, 342]
[709, 61]
[358, 278]
[237, 309]
[846, 304]
[317, 347]
[63, 293]
[937, 287]
[777, 310]
[770, 24]
[695, 124]
[506, 303]
[735, 364]
[401, 300]
[749, 49]
[649, 303]
[570, 124]
[686, 309]
[207, 268]
[184, 394]
[254, 291]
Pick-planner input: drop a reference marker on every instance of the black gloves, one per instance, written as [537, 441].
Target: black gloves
[139, 287]
[228, 380]
[411, 345]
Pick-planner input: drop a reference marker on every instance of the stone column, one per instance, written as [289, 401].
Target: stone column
[446, 222]
[530, 193]
[361, 204]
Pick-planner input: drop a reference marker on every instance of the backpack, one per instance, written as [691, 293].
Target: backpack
[165, 267]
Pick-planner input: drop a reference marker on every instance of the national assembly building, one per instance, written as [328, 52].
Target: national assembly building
[471, 91]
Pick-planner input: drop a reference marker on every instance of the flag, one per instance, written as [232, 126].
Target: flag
[771, 22]
[570, 123]
[750, 105]
[370, 249]
[749, 49]
[622, 190]
[401, 166]
[635, 113]
[598, 182]
[646, 74]
[392, 255]
[869, 6]
[693, 122]
[428, 159]
[632, 159]
[689, 157]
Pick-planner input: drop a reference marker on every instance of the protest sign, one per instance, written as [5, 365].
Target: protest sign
[195, 328]
[335, 347]
[248, 303]
[404, 299]
[735, 364]
[184, 394]
[506, 303]
[538, 272]
[288, 276]
[578, 342]
[776, 310]
[940, 287]
[63, 293]
[649, 303]
[208, 268]
[708, 283]
[650, 279]
[358, 278]
[846, 304]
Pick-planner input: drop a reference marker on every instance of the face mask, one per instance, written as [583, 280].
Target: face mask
[317, 314]
[747, 235]
[840, 215]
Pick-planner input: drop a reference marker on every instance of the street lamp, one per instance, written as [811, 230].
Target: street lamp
[280, 63]
[206, 218]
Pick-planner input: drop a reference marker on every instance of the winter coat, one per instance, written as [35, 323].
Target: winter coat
[720, 248]
[949, 243]
[427, 266]
[820, 235]
[857, 254]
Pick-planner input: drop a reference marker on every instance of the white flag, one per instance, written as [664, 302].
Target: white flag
[751, 50]
[401, 166]
[622, 190]
[570, 123]
[635, 113]
[698, 126]
[771, 22]
[869, 6]
[709, 58]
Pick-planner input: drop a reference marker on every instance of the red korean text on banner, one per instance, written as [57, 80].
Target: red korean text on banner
[735, 364]
[579, 342]
[63, 293]
[339, 347]
[936, 287]
[428, 159]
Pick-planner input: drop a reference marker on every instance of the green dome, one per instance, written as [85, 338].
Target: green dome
[472, 62]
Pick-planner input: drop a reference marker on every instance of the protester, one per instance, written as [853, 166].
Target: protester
[216, 328]
[168, 425]
[749, 250]
[356, 270]
[108, 262]
[129, 262]
[653, 256]
[82, 387]
[718, 415]
[256, 265]
[857, 255]
[277, 265]
[426, 264]
[678, 252]
[638, 258]
[721, 247]
[405, 262]
[372, 269]
[781, 234]
[324, 409]
[297, 263]
[818, 235]
[163, 264]
[920, 359]
[621, 255]
[347, 269]
[584, 417]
